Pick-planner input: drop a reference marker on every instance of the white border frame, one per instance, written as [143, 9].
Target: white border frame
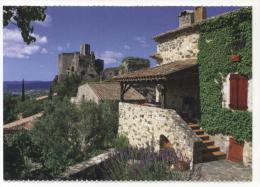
[256, 80]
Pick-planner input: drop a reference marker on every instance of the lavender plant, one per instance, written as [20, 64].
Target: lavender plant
[145, 164]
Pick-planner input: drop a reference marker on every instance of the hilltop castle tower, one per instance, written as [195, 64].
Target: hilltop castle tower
[83, 63]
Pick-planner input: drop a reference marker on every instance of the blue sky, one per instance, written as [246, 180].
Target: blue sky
[112, 32]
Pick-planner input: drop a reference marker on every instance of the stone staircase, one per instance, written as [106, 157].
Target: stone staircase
[210, 152]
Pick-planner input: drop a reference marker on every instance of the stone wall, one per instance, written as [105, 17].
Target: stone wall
[85, 93]
[223, 142]
[143, 125]
[247, 153]
[182, 96]
[184, 46]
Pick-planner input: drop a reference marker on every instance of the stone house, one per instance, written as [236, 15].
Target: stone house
[98, 92]
[178, 104]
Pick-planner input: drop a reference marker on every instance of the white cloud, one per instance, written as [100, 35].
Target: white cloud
[46, 22]
[14, 46]
[127, 47]
[44, 51]
[142, 41]
[68, 45]
[110, 57]
[59, 48]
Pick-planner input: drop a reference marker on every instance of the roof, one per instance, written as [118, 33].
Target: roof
[159, 72]
[44, 97]
[190, 28]
[111, 91]
[22, 122]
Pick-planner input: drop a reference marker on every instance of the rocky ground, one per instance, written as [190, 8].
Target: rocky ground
[224, 170]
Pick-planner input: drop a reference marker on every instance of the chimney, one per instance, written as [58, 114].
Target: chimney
[200, 14]
[84, 49]
[186, 18]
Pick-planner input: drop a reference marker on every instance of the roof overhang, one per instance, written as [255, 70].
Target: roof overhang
[159, 73]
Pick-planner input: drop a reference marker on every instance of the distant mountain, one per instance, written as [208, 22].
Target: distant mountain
[15, 87]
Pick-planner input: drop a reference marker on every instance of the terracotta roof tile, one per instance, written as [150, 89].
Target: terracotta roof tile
[111, 91]
[158, 72]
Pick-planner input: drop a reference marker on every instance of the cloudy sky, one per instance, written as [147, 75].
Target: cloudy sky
[113, 34]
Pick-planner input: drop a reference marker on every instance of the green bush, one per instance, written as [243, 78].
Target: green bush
[67, 87]
[28, 107]
[109, 111]
[98, 124]
[120, 142]
[57, 136]
[19, 152]
[10, 113]
[67, 134]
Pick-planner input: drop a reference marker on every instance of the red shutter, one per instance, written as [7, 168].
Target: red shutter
[234, 78]
[242, 92]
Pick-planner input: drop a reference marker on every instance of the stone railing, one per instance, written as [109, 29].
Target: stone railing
[143, 125]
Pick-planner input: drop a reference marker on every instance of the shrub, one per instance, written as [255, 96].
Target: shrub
[67, 87]
[120, 142]
[9, 108]
[89, 127]
[98, 124]
[109, 113]
[28, 107]
[19, 152]
[57, 136]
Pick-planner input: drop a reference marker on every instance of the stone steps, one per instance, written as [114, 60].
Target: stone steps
[208, 142]
[211, 151]
[199, 131]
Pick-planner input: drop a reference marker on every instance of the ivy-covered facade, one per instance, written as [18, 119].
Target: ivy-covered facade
[220, 38]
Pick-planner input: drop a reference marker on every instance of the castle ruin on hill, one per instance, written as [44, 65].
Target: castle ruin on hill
[83, 63]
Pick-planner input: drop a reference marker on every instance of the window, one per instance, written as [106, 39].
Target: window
[238, 92]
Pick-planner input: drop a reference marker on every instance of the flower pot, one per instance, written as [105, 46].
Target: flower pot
[235, 58]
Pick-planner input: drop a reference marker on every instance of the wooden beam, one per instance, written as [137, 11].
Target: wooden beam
[121, 91]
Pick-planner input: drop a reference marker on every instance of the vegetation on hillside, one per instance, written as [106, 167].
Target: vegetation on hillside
[66, 134]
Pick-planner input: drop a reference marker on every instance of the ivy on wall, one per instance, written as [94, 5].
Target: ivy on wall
[217, 37]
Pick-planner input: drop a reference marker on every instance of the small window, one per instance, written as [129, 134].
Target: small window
[238, 91]
[83, 97]
[72, 69]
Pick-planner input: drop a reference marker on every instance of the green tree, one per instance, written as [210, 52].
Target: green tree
[10, 102]
[50, 93]
[28, 107]
[68, 87]
[23, 91]
[56, 135]
[22, 16]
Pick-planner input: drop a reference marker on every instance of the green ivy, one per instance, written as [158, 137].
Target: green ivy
[217, 37]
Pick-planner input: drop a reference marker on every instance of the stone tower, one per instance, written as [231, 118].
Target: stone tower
[83, 63]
